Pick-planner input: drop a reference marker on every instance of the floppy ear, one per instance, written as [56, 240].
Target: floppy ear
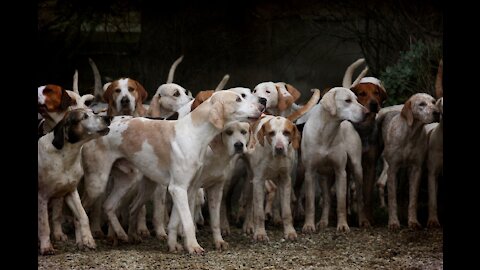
[154, 109]
[141, 92]
[283, 101]
[216, 143]
[65, 100]
[407, 112]
[328, 102]
[296, 137]
[261, 135]
[293, 91]
[216, 116]
[383, 93]
[200, 98]
[108, 93]
[59, 135]
[251, 135]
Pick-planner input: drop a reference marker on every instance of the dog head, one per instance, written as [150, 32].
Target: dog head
[246, 93]
[53, 98]
[228, 106]
[125, 97]
[279, 133]
[79, 125]
[370, 93]
[235, 138]
[277, 95]
[170, 97]
[342, 104]
[420, 107]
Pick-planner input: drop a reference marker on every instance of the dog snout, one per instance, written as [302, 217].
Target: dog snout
[374, 106]
[125, 101]
[262, 101]
[107, 119]
[238, 147]
[279, 150]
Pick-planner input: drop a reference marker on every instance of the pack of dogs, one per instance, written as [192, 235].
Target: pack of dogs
[107, 154]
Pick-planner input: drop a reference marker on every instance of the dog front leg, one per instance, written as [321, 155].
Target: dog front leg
[57, 218]
[433, 172]
[258, 209]
[285, 198]
[46, 247]
[309, 226]
[414, 183]
[81, 219]
[341, 192]
[214, 195]
[393, 223]
[159, 209]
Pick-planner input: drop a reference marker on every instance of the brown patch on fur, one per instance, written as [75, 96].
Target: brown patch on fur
[221, 104]
[266, 128]
[294, 136]
[154, 109]
[201, 97]
[56, 98]
[138, 92]
[368, 93]
[157, 133]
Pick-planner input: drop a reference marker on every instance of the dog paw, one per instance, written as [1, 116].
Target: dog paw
[221, 245]
[308, 228]
[87, 244]
[248, 229]
[414, 225]
[226, 231]
[98, 234]
[47, 250]
[343, 227]
[433, 223]
[161, 235]
[260, 237]
[277, 221]
[322, 224]
[60, 236]
[135, 238]
[123, 237]
[143, 232]
[195, 249]
[175, 248]
[290, 236]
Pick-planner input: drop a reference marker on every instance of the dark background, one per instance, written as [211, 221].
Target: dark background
[305, 43]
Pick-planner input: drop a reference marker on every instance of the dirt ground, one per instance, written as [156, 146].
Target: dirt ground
[375, 248]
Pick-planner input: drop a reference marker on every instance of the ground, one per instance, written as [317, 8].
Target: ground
[374, 248]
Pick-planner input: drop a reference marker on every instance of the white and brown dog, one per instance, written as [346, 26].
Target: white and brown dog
[60, 170]
[125, 96]
[279, 97]
[168, 153]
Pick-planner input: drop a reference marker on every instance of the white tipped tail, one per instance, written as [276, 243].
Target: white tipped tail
[97, 88]
[75, 82]
[360, 77]
[305, 108]
[439, 80]
[347, 78]
[172, 69]
[222, 83]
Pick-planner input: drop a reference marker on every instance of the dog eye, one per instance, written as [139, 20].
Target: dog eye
[239, 99]
[130, 89]
[422, 104]
[348, 101]
[377, 93]
[271, 133]
[117, 90]
[362, 94]
[229, 132]
[85, 116]
[286, 133]
[268, 91]
[176, 94]
[254, 91]
[243, 95]
[243, 132]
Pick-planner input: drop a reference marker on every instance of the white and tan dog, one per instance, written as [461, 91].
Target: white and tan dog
[60, 170]
[279, 97]
[406, 145]
[328, 142]
[125, 96]
[169, 153]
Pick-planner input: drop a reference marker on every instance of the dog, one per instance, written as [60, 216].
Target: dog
[60, 170]
[168, 153]
[279, 97]
[125, 96]
[405, 145]
[328, 142]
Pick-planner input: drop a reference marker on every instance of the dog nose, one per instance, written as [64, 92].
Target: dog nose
[262, 101]
[238, 146]
[374, 106]
[125, 101]
[279, 150]
[107, 119]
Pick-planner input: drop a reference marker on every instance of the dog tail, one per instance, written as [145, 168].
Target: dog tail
[347, 78]
[439, 81]
[360, 77]
[172, 69]
[75, 82]
[97, 88]
[222, 83]
[312, 102]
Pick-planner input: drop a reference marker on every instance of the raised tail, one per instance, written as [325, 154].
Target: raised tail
[172, 69]
[305, 108]
[347, 78]
[222, 83]
[439, 81]
[75, 82]
[97, 88]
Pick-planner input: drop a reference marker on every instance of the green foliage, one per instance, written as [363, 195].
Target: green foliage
[414, 72]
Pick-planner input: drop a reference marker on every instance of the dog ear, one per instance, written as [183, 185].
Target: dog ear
[296, 137]
[66, 100]
[261, 135]
[216, 115]
[59, 135]
[382, 92]
[284, 102]
[154, 109]
[407, 112]
[108, 94]
[293, 91]
[328, 102]
[216, 143]
[251, 135]
[439, 105]
[141, 92]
